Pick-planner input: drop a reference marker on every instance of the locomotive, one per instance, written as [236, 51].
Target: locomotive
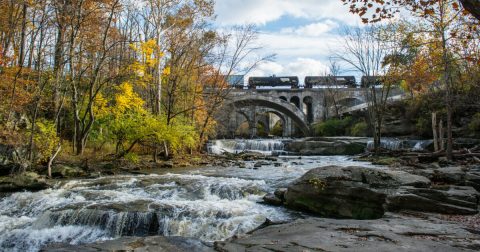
[323, 81]
[273, 82]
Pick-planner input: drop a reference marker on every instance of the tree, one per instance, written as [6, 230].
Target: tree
[386, 9]
[365, 52]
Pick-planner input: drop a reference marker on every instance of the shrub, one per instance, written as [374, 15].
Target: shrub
[333, 127]
[359, 129]
[277, 129]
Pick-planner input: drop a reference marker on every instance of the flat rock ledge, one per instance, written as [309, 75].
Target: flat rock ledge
[135, 244]
[392, 233]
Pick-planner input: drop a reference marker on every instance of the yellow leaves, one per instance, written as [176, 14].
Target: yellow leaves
[127, 99]
[166, 71]
[149, 51]
[100, 107]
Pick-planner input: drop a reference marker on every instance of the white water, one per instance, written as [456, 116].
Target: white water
[206, 203]
[401, 144]
[263, 146]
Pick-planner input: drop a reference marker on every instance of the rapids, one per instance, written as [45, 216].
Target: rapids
[209, 203]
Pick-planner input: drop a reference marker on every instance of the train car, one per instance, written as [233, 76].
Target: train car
[368, 81]
[326, 81]
[273, 82]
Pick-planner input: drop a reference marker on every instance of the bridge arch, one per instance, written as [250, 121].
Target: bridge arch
[277, 104]
[350, 101]
[295, 100]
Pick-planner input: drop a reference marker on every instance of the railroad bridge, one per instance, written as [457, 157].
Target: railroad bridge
[293, 110]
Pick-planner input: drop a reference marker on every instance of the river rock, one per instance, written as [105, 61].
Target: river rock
[347, 192]
[272, 199]
[456, 175]
[168, 164]
[260, 164]
[461, 200]
[392, 233]
[280, 193]
[151, 243]
[29, 181]
[65, 171]
[327, 146]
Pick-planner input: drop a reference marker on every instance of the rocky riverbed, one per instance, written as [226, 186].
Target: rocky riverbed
[248, 202]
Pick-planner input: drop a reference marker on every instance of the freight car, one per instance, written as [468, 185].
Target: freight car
[273, 82]
[326, 81]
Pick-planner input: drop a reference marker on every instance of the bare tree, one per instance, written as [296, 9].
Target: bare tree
[364, 51]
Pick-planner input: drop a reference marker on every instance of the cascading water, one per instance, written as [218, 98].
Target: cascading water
[206, 203]
[265, 146]
[400, 144]
[209, 208]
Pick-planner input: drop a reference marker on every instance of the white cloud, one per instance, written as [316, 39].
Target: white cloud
[260, 12]
[313, 30]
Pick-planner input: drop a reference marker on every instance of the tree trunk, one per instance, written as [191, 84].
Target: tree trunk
[434, 131]
[50, 160]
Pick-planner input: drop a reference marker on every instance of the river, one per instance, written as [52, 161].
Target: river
[209, 203]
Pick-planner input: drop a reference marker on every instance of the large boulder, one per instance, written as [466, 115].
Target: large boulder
[13, 159]
[454, 175]
[446, 200]
[28, 181]
[65, 171]
[347, 192]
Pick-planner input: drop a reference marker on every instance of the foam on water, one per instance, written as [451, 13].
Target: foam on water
[191, 205]
[264, 146]
[208, 203]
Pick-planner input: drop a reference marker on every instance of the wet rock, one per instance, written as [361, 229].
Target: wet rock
[393, 233]
[242, 165]
[260, 164]
[29, 181]
[64, 171]
[327, 146]
[272, 199]
[462, 200]
[347, 192]
[277, 164]
[151, 243]
[167, 164]
[280, 193]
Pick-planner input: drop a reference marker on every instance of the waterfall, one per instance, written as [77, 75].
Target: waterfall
[265, 146]
[82, 211]
[401, 144]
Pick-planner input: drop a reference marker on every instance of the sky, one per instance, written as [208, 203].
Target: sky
[303, 34]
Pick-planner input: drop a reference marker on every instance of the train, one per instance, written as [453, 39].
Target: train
[273, 82]
[325, 81]
[292, 82]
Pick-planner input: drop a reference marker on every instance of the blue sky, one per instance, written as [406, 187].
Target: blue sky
[302, 33]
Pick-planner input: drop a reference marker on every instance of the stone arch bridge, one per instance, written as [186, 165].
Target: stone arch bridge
[296, 110]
